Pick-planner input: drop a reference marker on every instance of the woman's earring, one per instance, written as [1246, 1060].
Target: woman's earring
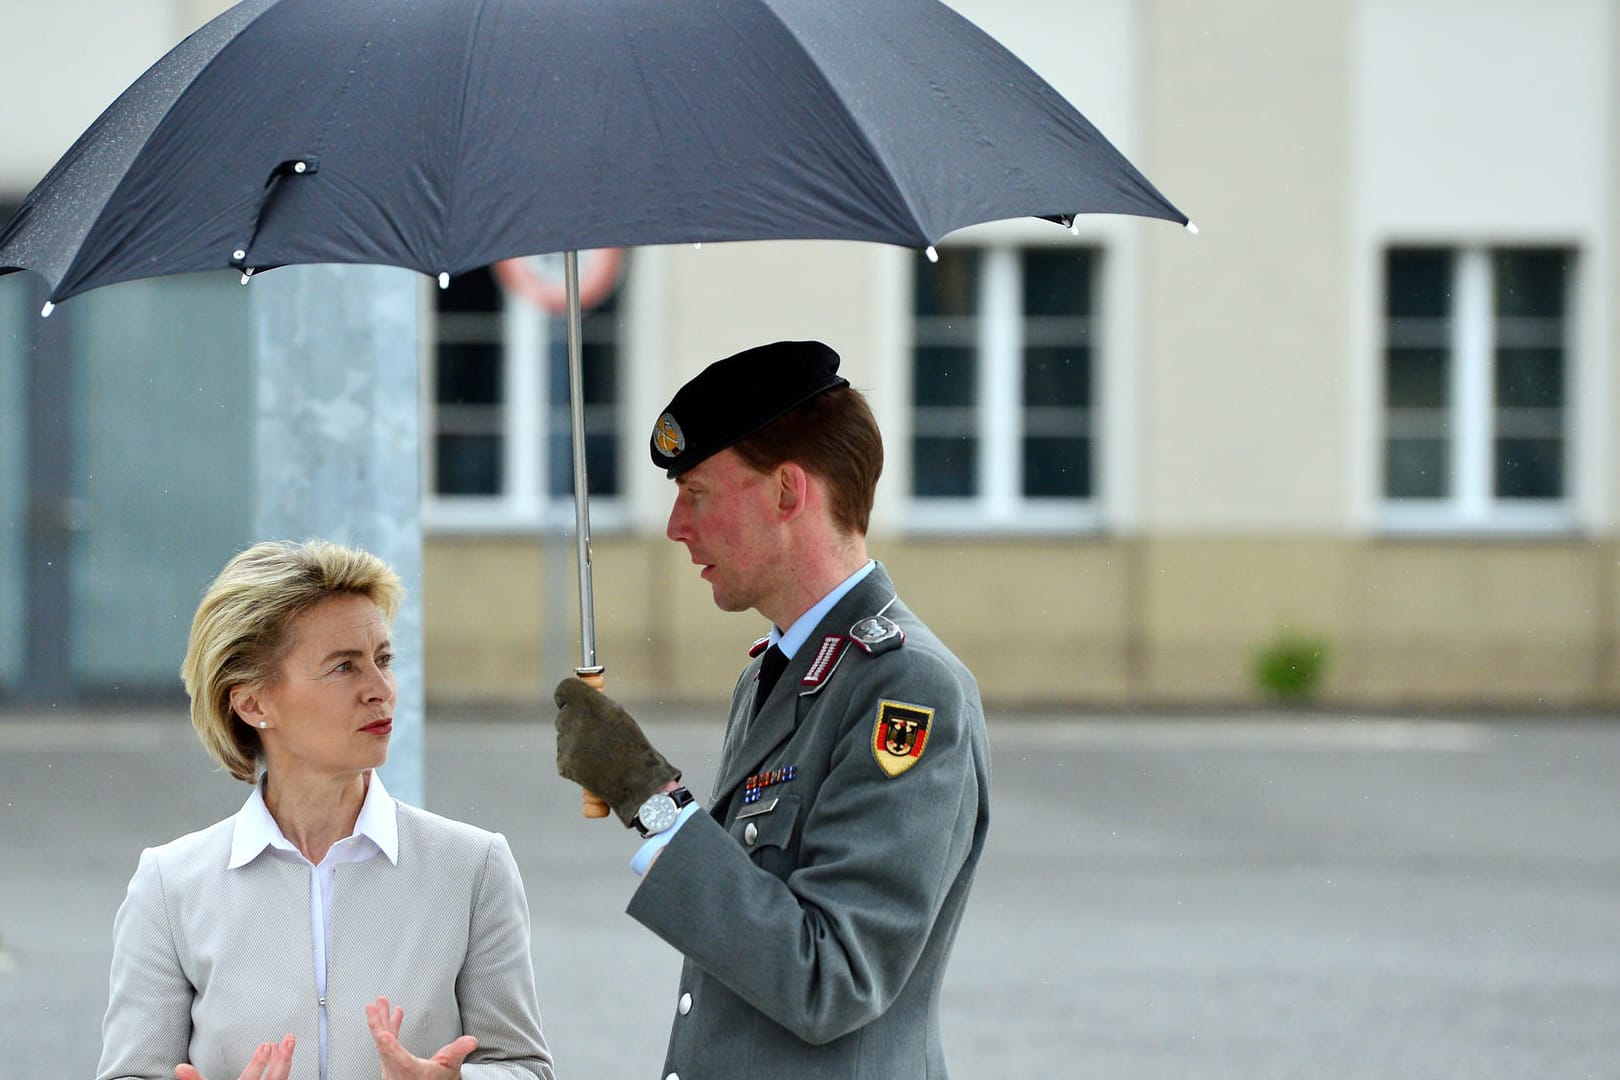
[264, 724]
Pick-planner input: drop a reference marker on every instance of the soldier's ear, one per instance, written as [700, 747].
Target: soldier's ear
[792, 490]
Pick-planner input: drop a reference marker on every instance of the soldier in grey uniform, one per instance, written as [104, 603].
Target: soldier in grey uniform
[815, 893]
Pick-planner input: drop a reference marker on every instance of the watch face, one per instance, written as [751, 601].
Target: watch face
[658, 813]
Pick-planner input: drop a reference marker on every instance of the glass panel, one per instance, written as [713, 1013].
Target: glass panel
[1417, 373]
[601, 463]
[468, 374]
[1418, 283]
[1417, 378]
[15, 340]
[467, 464]
[1531, 378]
[945, 376]
[945, 467]
[1057, 467]
[1057, 375]
[1416, 468]
[474, 291]
[1531, 282]
[164, 463]
[1057, 282]
[1530, 468]
[948, 287]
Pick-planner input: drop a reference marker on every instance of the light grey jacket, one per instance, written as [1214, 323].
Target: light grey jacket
[816, 920]
[209, 962]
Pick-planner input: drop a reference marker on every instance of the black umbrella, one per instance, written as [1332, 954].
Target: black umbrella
[444, 135]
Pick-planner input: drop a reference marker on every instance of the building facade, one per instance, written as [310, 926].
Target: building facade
[1365, 410]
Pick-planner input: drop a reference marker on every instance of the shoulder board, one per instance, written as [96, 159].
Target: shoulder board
[758, 647]
[876, 634]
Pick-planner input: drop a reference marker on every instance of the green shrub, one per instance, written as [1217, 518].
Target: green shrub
[1291, 666]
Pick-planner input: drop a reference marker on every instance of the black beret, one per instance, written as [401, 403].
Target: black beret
[732, 398]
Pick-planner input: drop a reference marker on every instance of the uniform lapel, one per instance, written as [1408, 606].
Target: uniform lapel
[780, 714]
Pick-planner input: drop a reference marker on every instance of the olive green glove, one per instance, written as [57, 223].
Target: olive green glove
[601, 748]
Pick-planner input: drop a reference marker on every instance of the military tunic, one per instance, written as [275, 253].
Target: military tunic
[817, 901]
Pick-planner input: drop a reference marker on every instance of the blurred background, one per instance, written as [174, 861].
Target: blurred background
[1350, 442]
[1215, 520]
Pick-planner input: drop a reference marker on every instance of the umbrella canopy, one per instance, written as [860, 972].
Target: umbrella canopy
[444, 135]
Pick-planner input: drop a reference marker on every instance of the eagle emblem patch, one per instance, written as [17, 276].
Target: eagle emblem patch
[900, 735]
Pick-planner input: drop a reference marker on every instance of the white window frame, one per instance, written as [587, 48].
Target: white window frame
[523, 505]
[1001, 507]
[1472, 507]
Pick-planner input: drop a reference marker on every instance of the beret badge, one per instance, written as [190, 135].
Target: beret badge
[668, 436]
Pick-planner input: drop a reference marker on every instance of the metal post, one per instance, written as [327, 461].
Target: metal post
[338, 443]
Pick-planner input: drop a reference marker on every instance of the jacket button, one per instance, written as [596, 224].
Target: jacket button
[685, 1005]
[750, 834]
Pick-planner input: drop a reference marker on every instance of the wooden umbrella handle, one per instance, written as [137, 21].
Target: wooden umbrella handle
[593, 806]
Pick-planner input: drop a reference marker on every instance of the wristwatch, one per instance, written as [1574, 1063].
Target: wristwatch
[660, 811]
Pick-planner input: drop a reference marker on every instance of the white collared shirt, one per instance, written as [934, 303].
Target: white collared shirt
[376, 831]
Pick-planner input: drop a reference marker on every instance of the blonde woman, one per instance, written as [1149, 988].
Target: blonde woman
[326, 930]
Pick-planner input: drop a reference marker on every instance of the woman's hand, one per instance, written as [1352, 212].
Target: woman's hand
[398, 1063]
[271, 1061]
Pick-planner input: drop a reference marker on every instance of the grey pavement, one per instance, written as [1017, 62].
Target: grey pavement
[1277, 896]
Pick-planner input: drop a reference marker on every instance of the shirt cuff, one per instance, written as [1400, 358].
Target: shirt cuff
[643, 858]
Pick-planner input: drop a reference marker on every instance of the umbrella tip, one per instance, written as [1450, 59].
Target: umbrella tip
[444, 279]
[698, 246]
[1192, 228]
[933, 256]
[246, 274]
[45, 312]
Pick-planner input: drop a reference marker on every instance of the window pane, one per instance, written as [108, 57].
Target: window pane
[1418, 283]
[1057, 375]
[1417, 378]
[1416, 468]
[467, 464]
[948, 287]
[1529, 468]
[1057, 282]
[945, 376]
[468, 375]
[1532, 378]
[1531, 282]
[1057, 467]
[945, 467]
[474, 291]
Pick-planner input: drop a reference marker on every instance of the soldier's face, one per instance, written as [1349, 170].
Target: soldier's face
[725, 514]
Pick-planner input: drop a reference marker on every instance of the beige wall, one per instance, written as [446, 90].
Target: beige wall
[1245, 422]
[1171, 622]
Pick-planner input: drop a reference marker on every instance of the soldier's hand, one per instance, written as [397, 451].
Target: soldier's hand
[601, 748]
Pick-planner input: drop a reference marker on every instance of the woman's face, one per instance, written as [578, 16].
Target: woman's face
[332, 709]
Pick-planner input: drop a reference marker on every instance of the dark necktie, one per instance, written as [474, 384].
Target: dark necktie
[770, 669]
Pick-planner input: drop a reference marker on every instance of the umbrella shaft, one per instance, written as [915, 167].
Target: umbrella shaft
[582, 513]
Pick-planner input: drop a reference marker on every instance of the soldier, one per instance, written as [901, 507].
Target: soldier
[816, 900]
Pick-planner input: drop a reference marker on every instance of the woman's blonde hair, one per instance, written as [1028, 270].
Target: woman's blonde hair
[240, 633]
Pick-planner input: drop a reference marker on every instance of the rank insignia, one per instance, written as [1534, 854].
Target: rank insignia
[832, 647]
[900, 735]
[877, 634]
[756, 784]
[668, 436]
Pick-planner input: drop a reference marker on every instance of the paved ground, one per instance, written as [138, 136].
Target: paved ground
[1254, 898]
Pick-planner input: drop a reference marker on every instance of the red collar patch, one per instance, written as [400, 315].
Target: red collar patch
[759, 646]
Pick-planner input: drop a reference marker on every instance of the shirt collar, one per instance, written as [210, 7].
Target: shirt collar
[802, 627]
[256, 830]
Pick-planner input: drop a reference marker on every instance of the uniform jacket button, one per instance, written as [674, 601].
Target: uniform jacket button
[750, 834]
[685, 1005]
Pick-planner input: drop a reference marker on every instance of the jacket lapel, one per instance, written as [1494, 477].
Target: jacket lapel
[780, 715]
